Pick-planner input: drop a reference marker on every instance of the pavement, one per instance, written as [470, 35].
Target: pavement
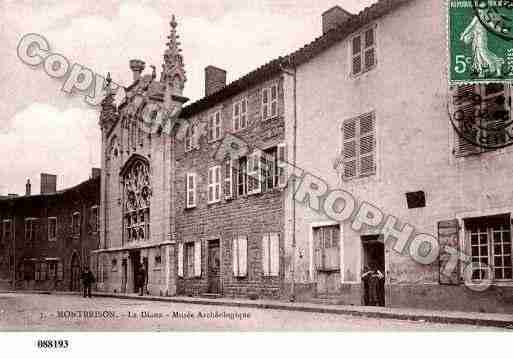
[420, 315]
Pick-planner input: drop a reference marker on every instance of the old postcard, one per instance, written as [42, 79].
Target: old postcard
[255, 166]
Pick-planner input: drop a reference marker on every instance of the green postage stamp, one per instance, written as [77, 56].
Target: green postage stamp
[480, 41]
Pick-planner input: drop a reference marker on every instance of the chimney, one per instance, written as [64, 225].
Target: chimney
[96, 172]
[48, 183]
[137, 67]
[28, 186]
[215, 79]
[333, 18]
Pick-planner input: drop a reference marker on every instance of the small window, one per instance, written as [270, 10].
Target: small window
[191, 259]
[214, 126]
[363, 51]
[94, 222]
[7, 230]
[52, 270]
[270, 102]
[270, 169]
[242, 178]
[489, 240]
[52, 228]
[31, 229]
[158, 260]
[114, 264]
[75, 224]
[190, 138]
[240, 115]
[214, 184]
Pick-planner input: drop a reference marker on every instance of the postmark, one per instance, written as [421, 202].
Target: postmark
[480, 41]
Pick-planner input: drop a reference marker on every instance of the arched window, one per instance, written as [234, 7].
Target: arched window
[137, 182]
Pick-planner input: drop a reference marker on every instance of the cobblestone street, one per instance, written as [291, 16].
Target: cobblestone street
[40, 312]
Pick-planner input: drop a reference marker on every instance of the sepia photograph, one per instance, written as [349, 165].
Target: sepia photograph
[337, 166]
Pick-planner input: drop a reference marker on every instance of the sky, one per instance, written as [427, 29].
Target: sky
[43, 129]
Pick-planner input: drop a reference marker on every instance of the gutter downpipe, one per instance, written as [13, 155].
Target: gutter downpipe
[293, 73]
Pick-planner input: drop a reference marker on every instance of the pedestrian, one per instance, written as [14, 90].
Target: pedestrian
[373, 279]
[87, 281]
[141, 279]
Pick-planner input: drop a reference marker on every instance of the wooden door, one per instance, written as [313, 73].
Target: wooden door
[124, 278]
[214, 267]
[75, 273]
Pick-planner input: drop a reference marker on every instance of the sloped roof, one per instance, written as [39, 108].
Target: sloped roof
[296, 58]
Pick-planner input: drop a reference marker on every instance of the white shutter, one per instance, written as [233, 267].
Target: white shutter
[180, 259]
[274, 244]
[60, 271]
[265, 104]
[235, 257]
[243, 256]
[191, 190]
[228, 179]
[349, 151]
[210, 185]
[197, 258]
[217, 182]
[265, 255]
[255, 173]
[367, 145]
[282, 165]
[236, 116]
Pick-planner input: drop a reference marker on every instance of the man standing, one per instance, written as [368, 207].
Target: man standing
[87, 281]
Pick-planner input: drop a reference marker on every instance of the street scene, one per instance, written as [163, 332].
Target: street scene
[230, 165]
[40, 312]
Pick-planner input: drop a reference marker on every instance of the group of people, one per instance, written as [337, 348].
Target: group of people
[88, 280]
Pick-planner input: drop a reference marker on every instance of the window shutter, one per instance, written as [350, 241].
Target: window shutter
[180, 259]
[265, 255]
[274, 101]
[448, 235]
[274, 243]
[243, 255]
[228, 179]
[217, 187]
[197, 258]
[235, 256]
[349, 148]
[42, 276]
[210, 185]
[370, 55]
[236, 116]
[191, 190]
[282, 165]
[464, 106]
[60, 271]
[265, 103]
[357, 55]
[367, 145]
[255, 173]
[37, 275]
[243, 113]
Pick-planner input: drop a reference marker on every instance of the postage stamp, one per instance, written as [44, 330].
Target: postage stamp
[480, 41]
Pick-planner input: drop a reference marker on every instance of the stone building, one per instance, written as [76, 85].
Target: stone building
[230, 198]
[373, 120]
[46, 239]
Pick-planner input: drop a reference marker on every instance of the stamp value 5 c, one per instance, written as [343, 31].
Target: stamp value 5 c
[480, 41]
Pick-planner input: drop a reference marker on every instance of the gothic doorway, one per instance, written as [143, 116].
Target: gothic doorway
[75, 273]
[135, 261]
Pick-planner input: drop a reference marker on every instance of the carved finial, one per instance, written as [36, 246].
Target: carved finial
[173, 71]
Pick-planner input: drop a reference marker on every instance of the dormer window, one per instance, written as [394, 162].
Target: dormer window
[363, 52]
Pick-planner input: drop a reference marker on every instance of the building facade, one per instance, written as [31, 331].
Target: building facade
[378, 127]
[230, 199]
[46, 239]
